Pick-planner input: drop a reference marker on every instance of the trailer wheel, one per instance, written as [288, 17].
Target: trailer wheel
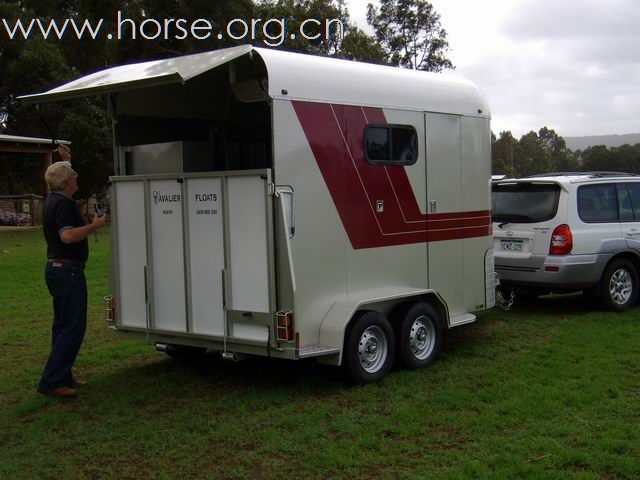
[418, 335]
[369, 347]
[619, 286]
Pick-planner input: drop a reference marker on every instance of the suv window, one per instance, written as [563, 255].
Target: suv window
[634, 199]
[524, 202]
[625, 202]
[598, 203]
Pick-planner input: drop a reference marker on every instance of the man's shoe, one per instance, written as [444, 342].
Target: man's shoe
[59, 392]
[75, 384]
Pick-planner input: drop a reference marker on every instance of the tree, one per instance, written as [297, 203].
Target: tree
[561, 159]
[87, 125]
[218, 13]
[541, 152]
[411, 32]
[358, 45]
[502, 154]
[26, 66]
[294, 13]
[625, 158]
[341, 39]
[530, 157]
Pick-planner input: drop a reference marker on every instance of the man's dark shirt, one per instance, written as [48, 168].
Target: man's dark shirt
[61, 213]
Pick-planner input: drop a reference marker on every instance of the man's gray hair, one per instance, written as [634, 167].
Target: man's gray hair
[57, 175]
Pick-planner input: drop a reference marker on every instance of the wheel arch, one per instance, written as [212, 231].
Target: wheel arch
[335, 326]
[629, 255]
[432, 299]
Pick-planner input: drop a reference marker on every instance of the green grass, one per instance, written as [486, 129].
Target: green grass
[548, 390]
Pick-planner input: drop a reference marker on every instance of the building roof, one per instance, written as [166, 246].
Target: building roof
[13, 144]
[14, 139]
[296, 76]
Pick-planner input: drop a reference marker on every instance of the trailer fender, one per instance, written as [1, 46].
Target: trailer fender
[334, 324]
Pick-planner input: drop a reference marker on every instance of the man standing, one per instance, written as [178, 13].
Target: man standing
[67, 251]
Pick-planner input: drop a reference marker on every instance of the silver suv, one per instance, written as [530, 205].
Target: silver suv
[564, 232]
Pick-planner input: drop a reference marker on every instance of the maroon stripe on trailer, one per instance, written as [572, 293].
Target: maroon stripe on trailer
[479, 213]
[458, 234]
[323, 132]
[336, 136]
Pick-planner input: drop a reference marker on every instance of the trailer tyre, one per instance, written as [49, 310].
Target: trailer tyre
[369, 347]
[418, 335]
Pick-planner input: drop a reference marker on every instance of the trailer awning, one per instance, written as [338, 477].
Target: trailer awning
[140, 75]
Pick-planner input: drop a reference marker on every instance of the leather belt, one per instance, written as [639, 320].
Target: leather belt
[61, 262]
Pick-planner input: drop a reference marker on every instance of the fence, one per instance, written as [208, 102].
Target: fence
[26, 210]
[21, 210]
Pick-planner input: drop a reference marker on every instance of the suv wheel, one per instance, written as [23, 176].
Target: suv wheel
[619, 289]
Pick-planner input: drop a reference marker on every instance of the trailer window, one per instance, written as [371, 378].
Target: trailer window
[391, 144]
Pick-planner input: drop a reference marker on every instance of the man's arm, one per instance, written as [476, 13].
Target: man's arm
[77, 234]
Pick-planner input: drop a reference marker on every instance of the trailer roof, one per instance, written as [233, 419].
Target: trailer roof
[295, 76]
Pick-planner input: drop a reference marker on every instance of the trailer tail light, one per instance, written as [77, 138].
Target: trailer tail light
[284, 326]
[109, 310]
[561, 240]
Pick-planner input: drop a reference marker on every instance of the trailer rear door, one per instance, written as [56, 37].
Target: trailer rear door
[193, 254]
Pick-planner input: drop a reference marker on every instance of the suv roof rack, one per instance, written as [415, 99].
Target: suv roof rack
[590, 174]
[613, 174]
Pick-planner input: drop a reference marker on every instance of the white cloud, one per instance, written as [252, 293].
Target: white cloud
[571, 66]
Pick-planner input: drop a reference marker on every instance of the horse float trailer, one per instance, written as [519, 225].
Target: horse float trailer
[294, 206]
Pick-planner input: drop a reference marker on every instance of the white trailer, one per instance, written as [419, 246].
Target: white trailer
[273, 203]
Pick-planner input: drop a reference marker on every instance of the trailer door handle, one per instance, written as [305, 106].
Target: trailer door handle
[146, 286]
[285, 194]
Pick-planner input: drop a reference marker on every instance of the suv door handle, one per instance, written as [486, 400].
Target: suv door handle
[634, 232]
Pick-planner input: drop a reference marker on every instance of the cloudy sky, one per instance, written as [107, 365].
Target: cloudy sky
[571, 65]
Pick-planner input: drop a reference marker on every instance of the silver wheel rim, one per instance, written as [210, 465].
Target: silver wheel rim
[422, 337]
[373, 349]
[620, 286]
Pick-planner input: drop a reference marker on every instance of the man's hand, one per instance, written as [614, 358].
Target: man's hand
[65, 152]
[97, 221]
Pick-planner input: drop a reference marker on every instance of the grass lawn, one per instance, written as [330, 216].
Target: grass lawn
[548, 390]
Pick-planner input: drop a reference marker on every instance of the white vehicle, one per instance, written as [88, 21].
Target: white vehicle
[280, 204]
[569, 232]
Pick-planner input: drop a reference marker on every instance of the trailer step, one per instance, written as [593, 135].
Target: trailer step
[316, 351]
[462, 319]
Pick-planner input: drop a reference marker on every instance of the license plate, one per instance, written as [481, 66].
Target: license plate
[511, 245]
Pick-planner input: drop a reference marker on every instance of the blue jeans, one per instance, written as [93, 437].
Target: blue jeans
[68, 287]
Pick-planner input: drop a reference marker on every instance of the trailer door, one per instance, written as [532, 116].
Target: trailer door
[205, 254]
[194, 254]
[444, 194]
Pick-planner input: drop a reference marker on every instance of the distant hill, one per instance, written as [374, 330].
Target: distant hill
[581, 143]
